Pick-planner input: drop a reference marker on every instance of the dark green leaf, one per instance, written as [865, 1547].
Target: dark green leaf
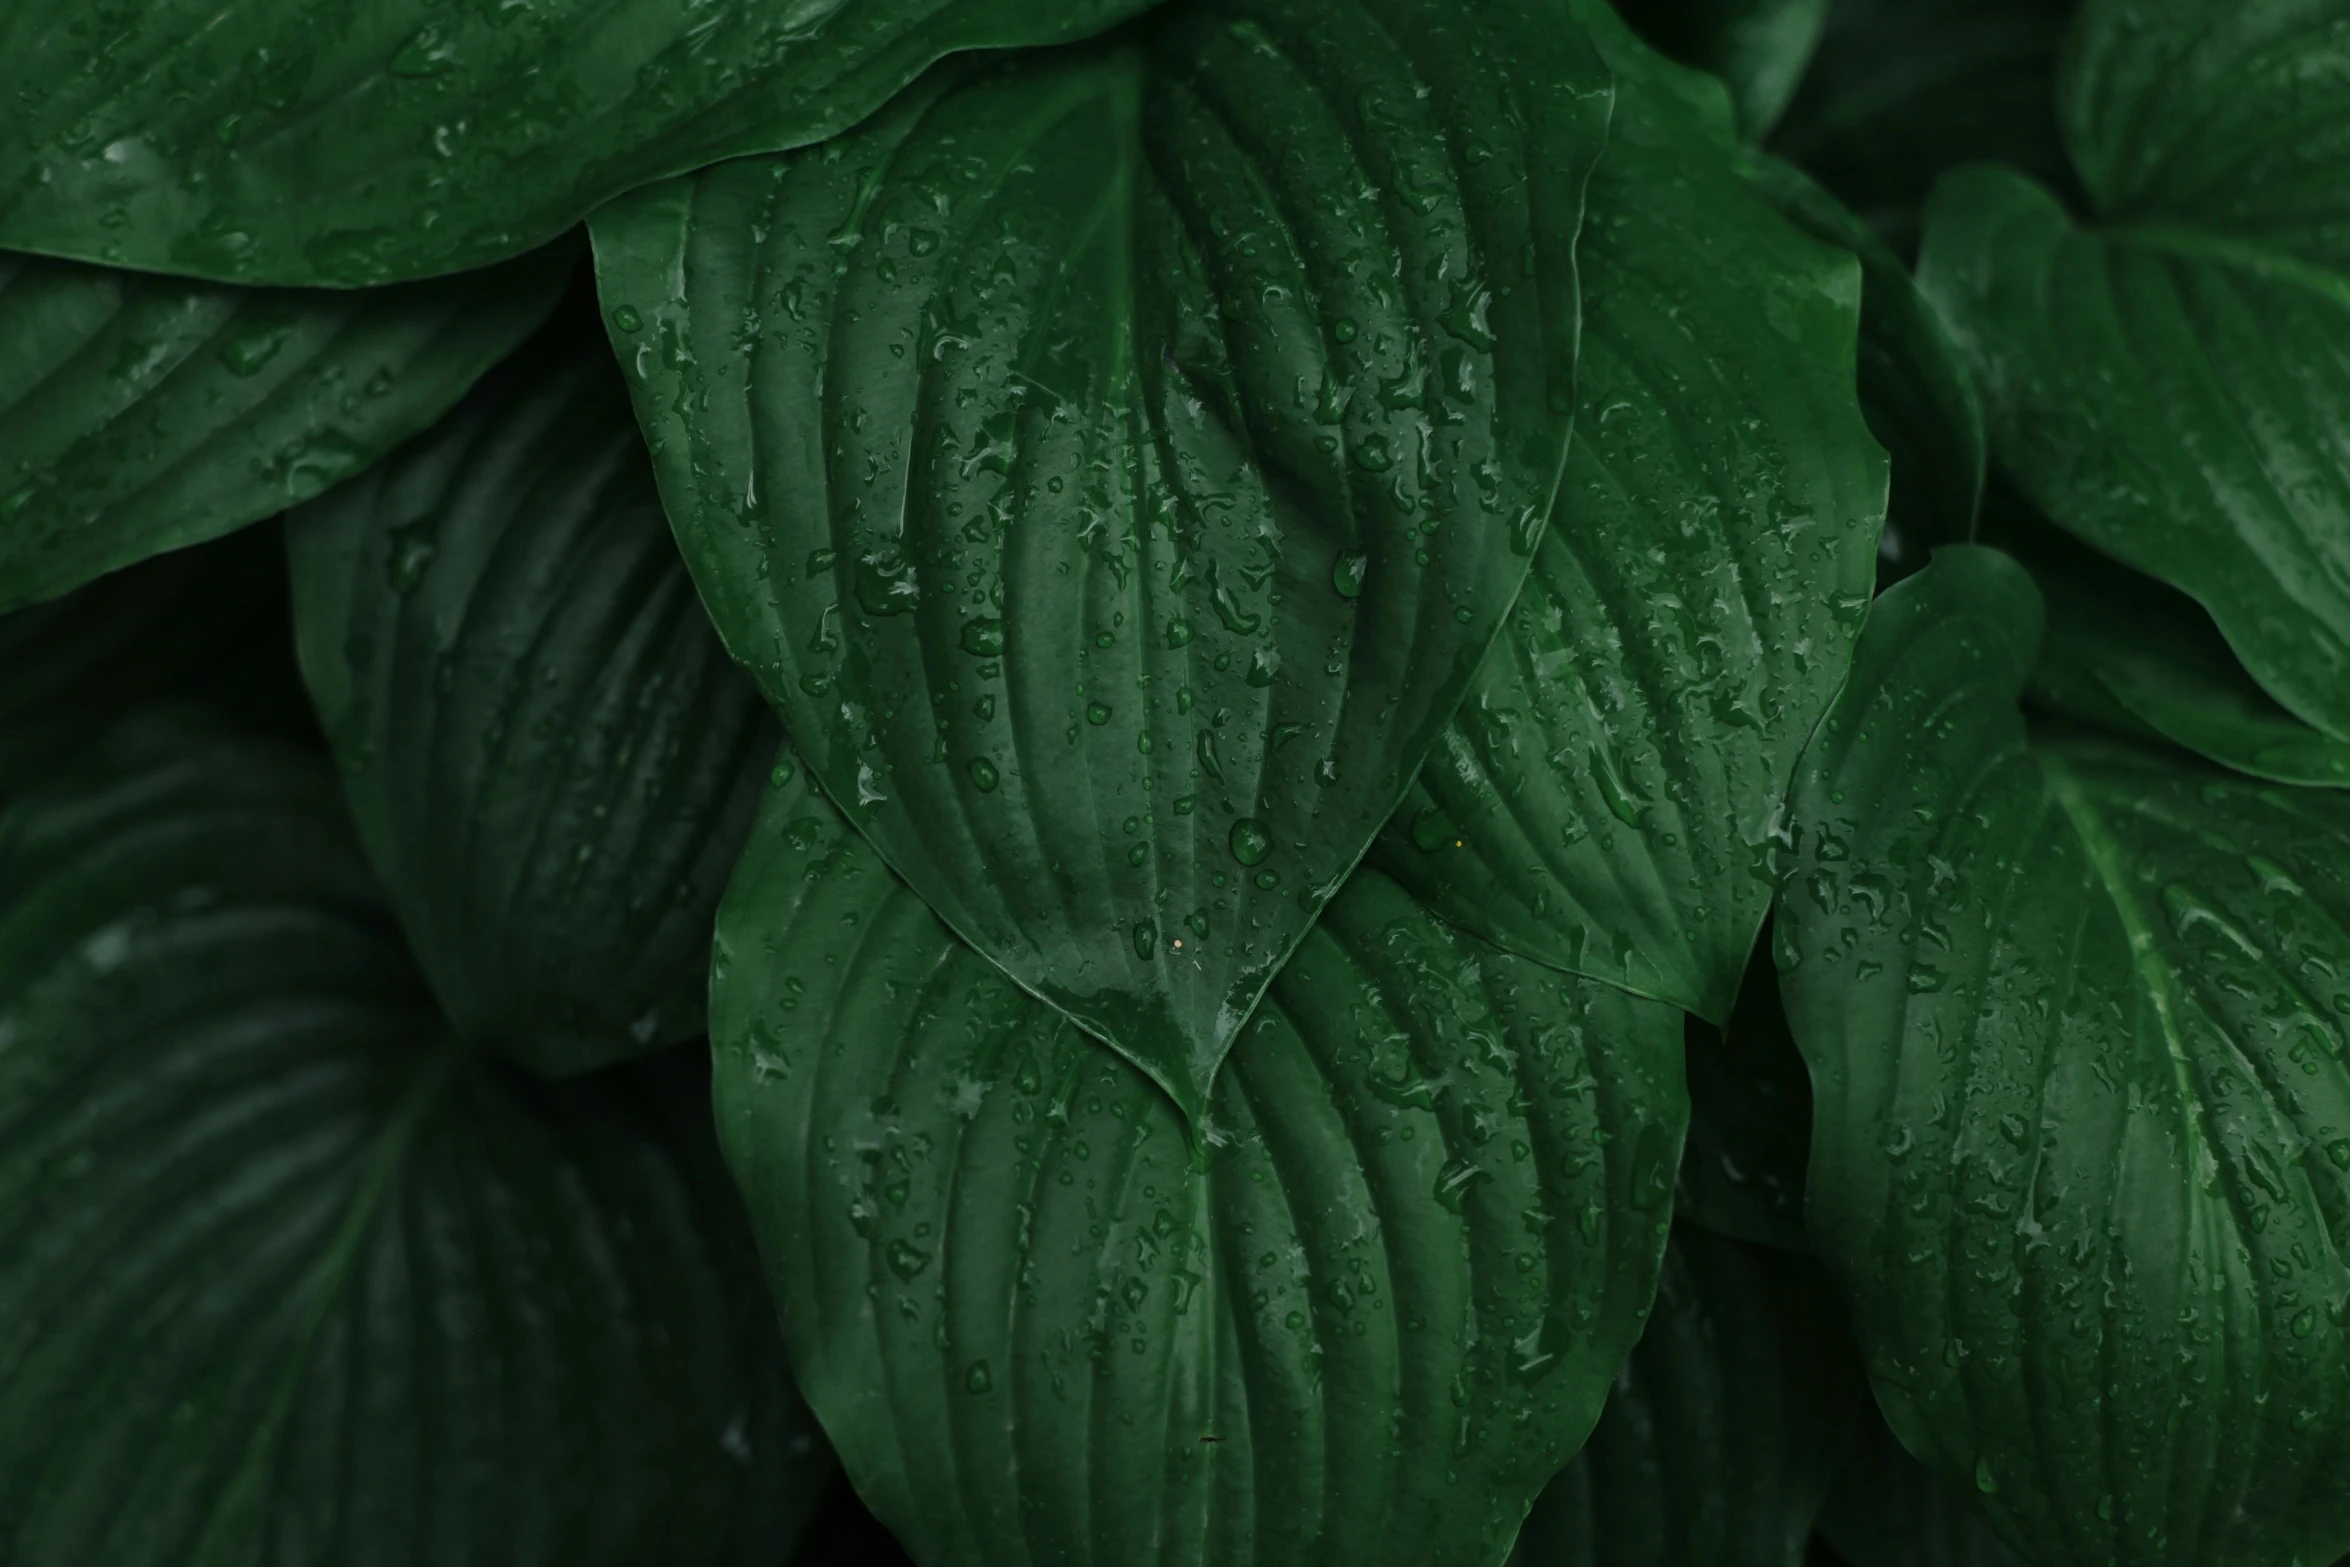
[1742, 1172]
[1362, 1323]
[2173, 385]
[1889, 1510]
[287, 1276]
[552, 761]
[1723, 1430]
[1901, 90]
[1114, 463]
[1915, 388]
[205, 626]
[139, 414]
[346, 142]
[2126, 652]
[2074, 1011]
[1603, 799]
[1757, 47]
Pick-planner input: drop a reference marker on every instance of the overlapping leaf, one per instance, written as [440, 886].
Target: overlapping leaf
[1900, 91]
[1603, 799]
[1113, 463]
[1742, 1170]
[1757, 47]
[552, 761]
[290, 1277]
[1362, 1320]
[2074, 1010]
[346, 142]
[1724, 1428]
[1889, 1510]
[2173, 384]
[139, 414]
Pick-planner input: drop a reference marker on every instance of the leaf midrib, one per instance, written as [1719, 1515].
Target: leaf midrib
[2202, 245]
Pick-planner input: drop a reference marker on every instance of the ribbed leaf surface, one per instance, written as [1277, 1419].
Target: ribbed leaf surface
[1360, 1322]
[1113, 463]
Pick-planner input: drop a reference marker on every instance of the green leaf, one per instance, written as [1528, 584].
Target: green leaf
[348, 142]
[1757, 47]
[205, 626]
[2074, 1015]
[2128, 653]
[1113, 463]
[1603, 798]
[1364, 1323]
[2173, 384]
[1915, 388]
[1742, 1169]
[140, 414]
[1889, 1510]
[290, 1277]
[1723, 1431]
[1901, 90]
[552, 761]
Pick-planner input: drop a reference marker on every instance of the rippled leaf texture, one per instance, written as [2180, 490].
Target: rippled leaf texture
[289, 1277]
[1113, 464]
[1915, 388]
[348, 142]
[140, 414]
[1757, 47]
[1363, 1326]
[552, 761]
[2126, 652]
[1900, 90]
[1742, 1168]
[2074, 1014]
[1889, 1510]
[1724, 1428]
[2173, 384]
[1603, 799]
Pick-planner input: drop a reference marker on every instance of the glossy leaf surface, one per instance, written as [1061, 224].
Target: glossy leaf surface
[289, 1277]
[1723, 1430]
[1916, 390]
[1888, 1510]
[2173, 384]
[552, 761]
[349, 142]
[140, 414]
[1363, 1326]
[1900, 91]
[2081, 1158]
[1118, 518]
[1602, 800]
[1757, 47]
[1742, 1170]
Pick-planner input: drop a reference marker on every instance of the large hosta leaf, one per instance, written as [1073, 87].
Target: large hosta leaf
[1889, 1510]
[552, 761]
[345, 142]
[2173, 384]
[288, 1276]
[1724, 1428]
[1603, 799]
[1361, 1320]
[1114, 463]
[1899, 91]
[139, 414]
[2074, 1010]
[1757, 47]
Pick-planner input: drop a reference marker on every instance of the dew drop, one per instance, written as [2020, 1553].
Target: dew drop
[1250, 841]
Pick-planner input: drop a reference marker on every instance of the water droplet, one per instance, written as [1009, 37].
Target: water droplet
[1250, 841]
[784, 773]
[907, 1259]
[1097, 713]
[983, 638]
[1346, 573]
[1146, 940]
[1433, 830]
[626, 319]
[983, 775]
[977, 1380]
[1178, 632]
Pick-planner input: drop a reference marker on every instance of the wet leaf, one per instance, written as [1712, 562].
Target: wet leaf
[2074, 1011]
[2171, 383]
[552, 762]
[349, 142]
[1604, 799]
[288, 1275]
[1362, 1320]
[1113, 462]
[1724, 1427]
[141, 414]
[1889, 1510]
